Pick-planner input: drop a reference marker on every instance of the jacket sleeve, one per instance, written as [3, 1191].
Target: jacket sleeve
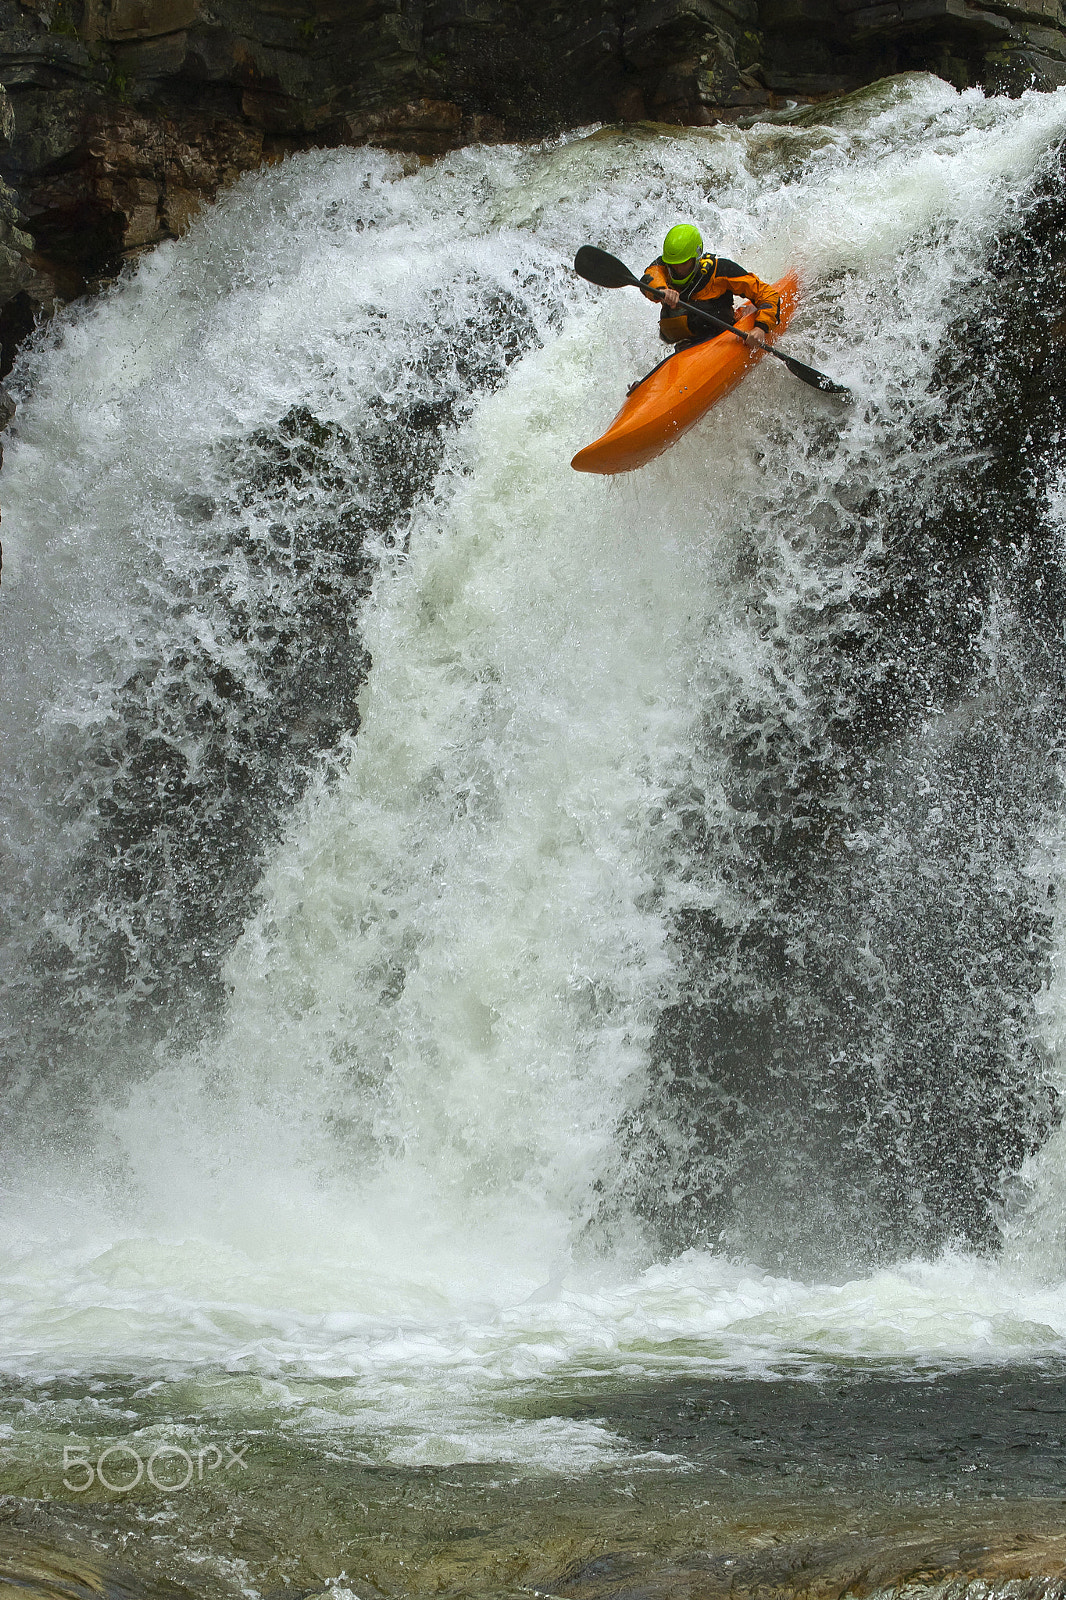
[763, 296]
[654, 278]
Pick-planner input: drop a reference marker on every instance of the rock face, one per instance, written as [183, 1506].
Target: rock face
[119, 117]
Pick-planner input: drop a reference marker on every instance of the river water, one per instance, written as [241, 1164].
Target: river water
[534, 1004]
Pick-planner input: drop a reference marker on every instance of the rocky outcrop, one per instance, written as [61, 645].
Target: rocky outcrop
[118, 118]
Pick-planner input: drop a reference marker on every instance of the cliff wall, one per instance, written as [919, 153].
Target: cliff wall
[119, 117]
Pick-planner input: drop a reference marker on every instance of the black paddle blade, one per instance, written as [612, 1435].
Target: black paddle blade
[817, 380]
[596, 266]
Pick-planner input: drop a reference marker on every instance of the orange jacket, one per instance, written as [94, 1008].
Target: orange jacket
[714, 283]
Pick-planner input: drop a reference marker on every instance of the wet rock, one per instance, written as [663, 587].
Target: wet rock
[124, 180]
[430, 125]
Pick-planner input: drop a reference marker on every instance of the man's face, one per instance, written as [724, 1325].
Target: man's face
[682, 270]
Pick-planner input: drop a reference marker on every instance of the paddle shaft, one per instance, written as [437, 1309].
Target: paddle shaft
[727, 327]
[597, 266]
[799, 369]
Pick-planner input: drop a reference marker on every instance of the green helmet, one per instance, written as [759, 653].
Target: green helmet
[681, 244]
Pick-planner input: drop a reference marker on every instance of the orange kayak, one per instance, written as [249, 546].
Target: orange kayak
[677, 394]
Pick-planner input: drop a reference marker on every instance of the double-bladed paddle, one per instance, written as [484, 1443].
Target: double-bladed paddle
[596, 266]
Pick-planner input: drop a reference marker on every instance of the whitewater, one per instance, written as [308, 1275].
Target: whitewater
[347, 735]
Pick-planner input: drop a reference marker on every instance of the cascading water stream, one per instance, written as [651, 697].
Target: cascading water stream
[467, 920]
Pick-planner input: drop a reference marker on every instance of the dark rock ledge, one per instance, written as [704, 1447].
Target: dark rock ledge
[118, 118]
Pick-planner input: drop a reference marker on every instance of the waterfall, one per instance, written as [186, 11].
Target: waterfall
[464, 917]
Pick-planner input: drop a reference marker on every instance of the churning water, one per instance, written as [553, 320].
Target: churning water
[466, 923]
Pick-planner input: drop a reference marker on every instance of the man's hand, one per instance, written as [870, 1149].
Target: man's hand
[670, 298]
[756, 339]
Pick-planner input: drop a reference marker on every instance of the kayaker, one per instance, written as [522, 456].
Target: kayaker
[683, 269]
